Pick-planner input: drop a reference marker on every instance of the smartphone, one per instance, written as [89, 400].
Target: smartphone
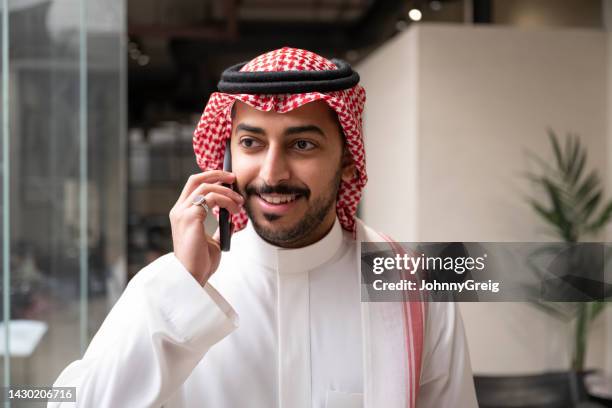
[225, 220]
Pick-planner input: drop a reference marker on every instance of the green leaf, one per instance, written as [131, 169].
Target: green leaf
[591, 182]
[572, 197]
[548, 215]
[564, 225]
[566, 152]
[590, 206]
[602, 220]
[573, 149]
[579, 167]
[556, 149]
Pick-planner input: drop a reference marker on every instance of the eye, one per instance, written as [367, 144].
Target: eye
[304, 145]
[249, 142]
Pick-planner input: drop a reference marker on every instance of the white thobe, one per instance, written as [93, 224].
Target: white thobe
[297, 344]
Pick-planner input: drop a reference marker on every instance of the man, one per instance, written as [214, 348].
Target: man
[305, 339]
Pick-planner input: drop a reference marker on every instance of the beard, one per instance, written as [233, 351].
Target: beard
[318, 210]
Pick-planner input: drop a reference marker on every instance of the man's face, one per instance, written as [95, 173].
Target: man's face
[288, 168]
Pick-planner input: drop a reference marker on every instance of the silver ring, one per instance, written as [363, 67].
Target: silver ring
[201, 201]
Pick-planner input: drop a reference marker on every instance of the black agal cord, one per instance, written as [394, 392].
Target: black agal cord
[235, 82]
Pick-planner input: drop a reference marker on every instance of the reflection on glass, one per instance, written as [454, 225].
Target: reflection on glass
[66, 187]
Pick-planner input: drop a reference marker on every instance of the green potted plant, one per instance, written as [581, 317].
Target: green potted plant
[573, 205]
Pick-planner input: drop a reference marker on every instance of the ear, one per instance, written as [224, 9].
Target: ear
[348, 166]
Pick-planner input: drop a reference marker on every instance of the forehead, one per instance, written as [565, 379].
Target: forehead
[317, 112]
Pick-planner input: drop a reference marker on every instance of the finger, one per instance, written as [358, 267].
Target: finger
[210, 176]
[219, 200]
[204, 189]
[198, 212]
[195, 212]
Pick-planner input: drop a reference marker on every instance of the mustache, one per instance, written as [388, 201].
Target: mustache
[277, 189]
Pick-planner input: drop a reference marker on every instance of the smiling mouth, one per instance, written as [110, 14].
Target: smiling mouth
[276, 199]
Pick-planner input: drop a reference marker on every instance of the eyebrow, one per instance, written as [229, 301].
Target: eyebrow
[303, 129]
[288, 132]
[249, 128]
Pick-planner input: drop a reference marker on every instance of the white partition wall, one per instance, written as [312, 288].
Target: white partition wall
[451, 110]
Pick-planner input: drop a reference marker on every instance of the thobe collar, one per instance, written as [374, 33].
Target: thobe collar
[286, 260]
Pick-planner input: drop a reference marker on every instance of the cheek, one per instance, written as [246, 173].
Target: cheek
[306, 171]
[316, 174]
[245, 168]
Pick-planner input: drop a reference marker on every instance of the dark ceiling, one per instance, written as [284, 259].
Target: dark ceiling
[178, 48]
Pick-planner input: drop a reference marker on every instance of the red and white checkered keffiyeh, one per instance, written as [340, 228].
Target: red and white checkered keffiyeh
[215, 125]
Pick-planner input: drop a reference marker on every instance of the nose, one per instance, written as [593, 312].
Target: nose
[275, 167]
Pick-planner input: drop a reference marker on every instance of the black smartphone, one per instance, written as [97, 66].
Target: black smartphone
[225, 220]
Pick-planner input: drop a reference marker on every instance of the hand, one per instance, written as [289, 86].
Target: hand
[198, 251]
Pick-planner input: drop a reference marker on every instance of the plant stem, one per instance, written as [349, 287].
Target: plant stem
[582, 320]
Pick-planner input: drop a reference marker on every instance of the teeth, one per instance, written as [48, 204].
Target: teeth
[278, 199]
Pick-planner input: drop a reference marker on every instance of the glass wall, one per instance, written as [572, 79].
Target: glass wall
[63, 180]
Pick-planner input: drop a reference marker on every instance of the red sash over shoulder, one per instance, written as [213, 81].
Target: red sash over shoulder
[414, 317]
[393, 336]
